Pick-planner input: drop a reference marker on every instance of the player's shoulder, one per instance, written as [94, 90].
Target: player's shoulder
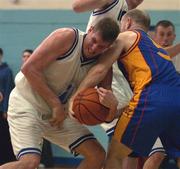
[126, 39]
[127, 34]
[69, 33]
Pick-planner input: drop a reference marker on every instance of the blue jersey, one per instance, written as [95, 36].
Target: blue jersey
[154, 109]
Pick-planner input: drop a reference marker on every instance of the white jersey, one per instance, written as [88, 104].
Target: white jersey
[62, 76]
[176, 62]
[120, 85]
[115, 10]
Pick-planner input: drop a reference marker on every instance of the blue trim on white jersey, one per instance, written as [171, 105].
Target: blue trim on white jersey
[121, 13]
[29, 151]
[158, 149]
[110, 131]
[72, 47]
[106, 9]
[79, 141]
[88, 61]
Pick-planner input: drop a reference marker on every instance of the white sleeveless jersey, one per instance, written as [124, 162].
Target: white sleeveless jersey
[62, 76]
[114, 10]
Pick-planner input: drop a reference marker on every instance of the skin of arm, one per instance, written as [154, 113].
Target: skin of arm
[173, 50]
[88, 5]
[55, 45]
[107, 81]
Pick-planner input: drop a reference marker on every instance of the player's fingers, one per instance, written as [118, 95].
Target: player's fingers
[103, 90]
[100, 93]
[102, 100]
[52, 122]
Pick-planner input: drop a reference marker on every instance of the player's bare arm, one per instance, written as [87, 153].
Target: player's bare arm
[107, 81]
[55, 45]
[87, 5]
[173, 50]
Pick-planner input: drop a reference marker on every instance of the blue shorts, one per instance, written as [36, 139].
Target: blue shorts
[151, 113]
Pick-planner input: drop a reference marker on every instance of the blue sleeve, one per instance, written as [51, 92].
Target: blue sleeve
[9, 85]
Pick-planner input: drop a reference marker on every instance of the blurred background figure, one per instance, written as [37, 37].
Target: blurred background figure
[164, 33]
[6, 85]
[26, 54]
[165, 36]
[151, 31]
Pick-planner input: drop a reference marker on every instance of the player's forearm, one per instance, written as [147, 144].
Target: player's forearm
[88, 5]
[112, 112]
[39, 84]
[93, 78]
[173, 50]
[107, 81]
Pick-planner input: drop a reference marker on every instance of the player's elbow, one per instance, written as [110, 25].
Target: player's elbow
[26, 69]
[77, 7]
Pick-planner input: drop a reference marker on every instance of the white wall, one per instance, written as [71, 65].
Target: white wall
[66, 4]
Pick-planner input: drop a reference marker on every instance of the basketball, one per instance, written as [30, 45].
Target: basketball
[88, 109]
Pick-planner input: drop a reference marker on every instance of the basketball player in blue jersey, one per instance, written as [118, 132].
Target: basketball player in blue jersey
[37, 106]
[153, 110]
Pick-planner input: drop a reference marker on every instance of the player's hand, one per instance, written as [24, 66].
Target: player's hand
[58, 116]
[107, 98]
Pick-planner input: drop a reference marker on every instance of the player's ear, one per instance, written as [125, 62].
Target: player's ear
[129, 23]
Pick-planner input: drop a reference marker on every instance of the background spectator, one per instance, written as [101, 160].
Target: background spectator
[6, 85]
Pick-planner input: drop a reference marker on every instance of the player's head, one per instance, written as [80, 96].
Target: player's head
[133, 3]
[135, 19]
[100, 37]
[164, 33]
[26, 54]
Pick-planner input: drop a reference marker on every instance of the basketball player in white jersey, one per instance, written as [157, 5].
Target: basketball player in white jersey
[56, 68]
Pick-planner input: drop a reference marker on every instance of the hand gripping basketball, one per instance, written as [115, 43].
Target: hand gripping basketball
[88, 109]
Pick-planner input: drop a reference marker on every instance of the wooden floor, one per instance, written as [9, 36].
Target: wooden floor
[59, 168]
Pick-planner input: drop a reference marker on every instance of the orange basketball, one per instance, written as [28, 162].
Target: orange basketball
[88, 109]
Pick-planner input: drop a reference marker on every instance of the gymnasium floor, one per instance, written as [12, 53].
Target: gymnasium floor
[58, 168]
